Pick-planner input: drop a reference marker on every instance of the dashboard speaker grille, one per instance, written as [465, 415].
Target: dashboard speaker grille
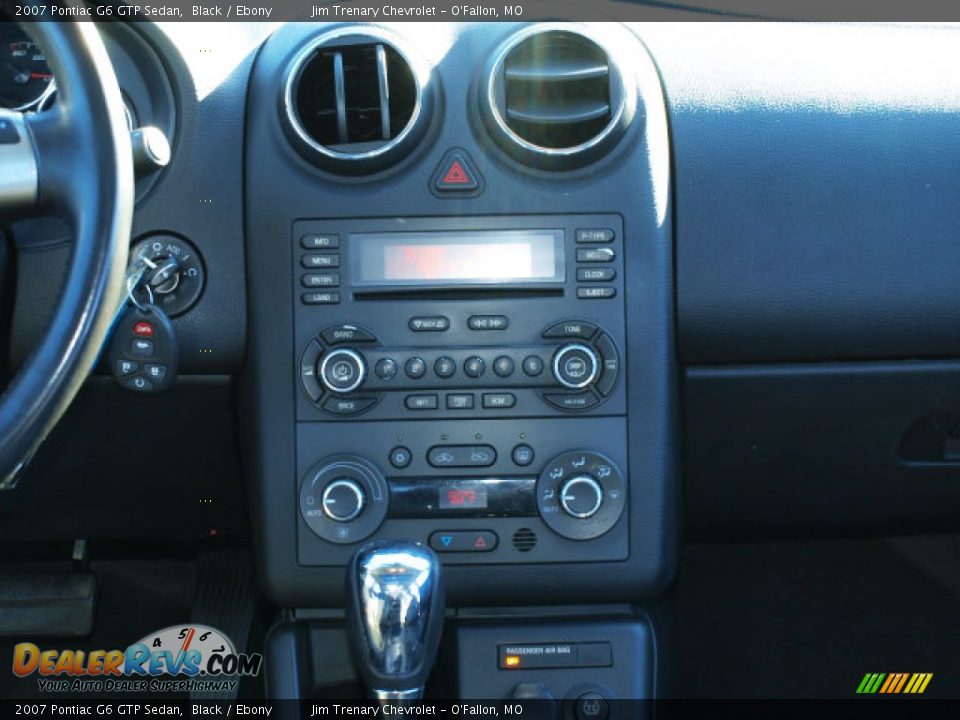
[354, 102]
[524, 540]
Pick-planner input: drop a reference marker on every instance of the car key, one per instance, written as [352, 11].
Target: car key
[143, 352]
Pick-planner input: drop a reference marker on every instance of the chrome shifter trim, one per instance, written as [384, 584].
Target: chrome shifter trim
[397, 586]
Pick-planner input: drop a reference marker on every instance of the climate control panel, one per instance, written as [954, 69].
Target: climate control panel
[497, 492]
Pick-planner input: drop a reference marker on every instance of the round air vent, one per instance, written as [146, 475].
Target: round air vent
[354, 102]
[555, 98]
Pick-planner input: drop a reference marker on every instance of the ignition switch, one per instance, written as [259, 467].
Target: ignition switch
[174, 274]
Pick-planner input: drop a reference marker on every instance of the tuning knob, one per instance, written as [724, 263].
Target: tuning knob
[342, 371]
[575, 366]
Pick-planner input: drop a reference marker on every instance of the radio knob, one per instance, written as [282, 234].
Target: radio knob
[575, 366]
[342, 371]
[343, 500]
[581, 496]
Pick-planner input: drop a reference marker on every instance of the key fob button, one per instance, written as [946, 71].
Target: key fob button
[143, 348]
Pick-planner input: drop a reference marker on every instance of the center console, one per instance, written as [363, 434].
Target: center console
[462, 387]
[462, 336]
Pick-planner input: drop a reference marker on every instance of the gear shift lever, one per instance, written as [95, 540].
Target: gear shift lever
[395, 615]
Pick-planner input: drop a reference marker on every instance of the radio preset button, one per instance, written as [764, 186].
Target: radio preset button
[498, 401]
[415, 368]
[444, 367]
[348, 405]
[595, 235]
[400, 457]
[320, 261]
[504, 366]
[320, 298]
[570, 329]
[343, 500]
[342, 371]
[345, 334]
[326, 279]
[436, 323]
[575, 366]
[596, 274]
[421, 402]
[460, 401]
[532, 365]
[386, 369]
[522, 455]
[461, 456]
[320, 242]
[488, 322]
[474, 366]
[595, 293]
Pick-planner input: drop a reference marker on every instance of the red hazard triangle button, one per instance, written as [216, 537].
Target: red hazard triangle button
[456, 174]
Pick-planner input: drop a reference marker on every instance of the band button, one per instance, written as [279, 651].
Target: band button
[345, 334]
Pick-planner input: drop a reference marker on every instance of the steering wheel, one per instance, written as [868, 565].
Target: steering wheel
[73, 160]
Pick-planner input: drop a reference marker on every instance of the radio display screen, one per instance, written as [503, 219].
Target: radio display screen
[483, 257]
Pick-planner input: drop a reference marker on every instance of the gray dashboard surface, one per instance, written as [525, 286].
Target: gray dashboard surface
[817, 189]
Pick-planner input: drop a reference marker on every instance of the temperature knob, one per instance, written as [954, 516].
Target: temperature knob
[342, 371]
[575, 366]
[581, 496]
[343, 500]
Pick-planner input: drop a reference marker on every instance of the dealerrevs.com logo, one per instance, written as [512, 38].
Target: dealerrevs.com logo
[199, 658]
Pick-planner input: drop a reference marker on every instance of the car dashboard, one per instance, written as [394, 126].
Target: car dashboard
[544, 297]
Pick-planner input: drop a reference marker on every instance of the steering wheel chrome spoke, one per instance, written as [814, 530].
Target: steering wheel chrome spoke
[19, 171]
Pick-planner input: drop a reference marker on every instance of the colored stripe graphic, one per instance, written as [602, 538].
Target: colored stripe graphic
[894, 683]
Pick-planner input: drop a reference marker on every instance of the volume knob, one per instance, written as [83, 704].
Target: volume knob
[575, 366]
[342, 371]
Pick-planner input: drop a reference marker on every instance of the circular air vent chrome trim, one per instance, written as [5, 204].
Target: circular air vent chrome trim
[368, 160]
[574, 156]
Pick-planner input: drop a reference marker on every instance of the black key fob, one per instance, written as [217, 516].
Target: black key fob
[143, 352]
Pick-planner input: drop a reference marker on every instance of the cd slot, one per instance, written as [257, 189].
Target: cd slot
[450, 293]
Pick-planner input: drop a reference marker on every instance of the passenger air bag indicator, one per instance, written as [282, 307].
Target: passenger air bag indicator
[555, 655]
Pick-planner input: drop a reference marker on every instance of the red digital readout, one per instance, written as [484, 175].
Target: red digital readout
[462, 261]
[462, 497]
